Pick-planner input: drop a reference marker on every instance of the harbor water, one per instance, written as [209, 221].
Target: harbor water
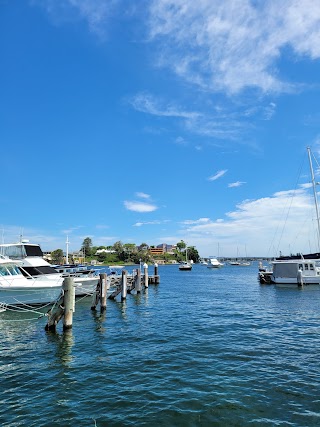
[207, 347]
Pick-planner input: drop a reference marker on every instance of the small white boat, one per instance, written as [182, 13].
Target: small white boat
[186, 266]
[19, 291]
[214, 263]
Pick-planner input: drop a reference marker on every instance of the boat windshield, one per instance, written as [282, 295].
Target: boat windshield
[9, 270]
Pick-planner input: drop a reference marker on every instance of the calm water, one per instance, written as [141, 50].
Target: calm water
[203, 348]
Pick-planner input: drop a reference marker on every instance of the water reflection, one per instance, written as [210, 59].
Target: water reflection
[64, 343]
[99, 317]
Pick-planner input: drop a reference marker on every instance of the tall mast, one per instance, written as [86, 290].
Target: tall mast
[67, 252]
[315, 195]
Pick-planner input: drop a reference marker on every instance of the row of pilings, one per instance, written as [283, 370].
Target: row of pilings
[64, 307]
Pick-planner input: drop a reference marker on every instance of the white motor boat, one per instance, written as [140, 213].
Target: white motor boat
[186, 266]
[85, 279]
[32, 264]
[298, 272]
[19, 291]
[214, 263]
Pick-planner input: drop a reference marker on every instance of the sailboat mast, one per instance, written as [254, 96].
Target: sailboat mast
[315, 195]
[67, 252]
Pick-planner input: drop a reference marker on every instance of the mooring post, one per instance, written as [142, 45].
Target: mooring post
[300, 279]
[96, 296]
[146, 277]
[103, 288]
[156, 277]
[138, 281]
[68, 302]
[124, 285]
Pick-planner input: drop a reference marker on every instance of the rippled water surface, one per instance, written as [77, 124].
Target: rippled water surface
[202, 348]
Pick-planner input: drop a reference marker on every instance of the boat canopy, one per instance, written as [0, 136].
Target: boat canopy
[285, 269]
[20, 251]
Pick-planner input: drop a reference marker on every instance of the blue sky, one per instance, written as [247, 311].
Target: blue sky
[156, 121]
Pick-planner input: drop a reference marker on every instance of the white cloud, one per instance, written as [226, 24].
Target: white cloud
[96, 13]
[139, 206]
[231, 45]
[147, 103]
[197, 221]
[217, 175]
[236, 184]
[143, 195]
[284, 221]
[155, 222]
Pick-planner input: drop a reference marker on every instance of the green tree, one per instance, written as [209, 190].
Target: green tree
[57, 256]
[118, 248]
[193, 254]
[86, 246]
[181, 245]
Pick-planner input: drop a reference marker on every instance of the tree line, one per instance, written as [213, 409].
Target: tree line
[127, 253]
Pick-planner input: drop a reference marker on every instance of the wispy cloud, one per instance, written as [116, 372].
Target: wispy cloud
[155, 222]
[236, 184]
[96, 13]
[147, 103]
[143, 195]
[217, 175]
[137, 206]
[232, 45]
[197, 221]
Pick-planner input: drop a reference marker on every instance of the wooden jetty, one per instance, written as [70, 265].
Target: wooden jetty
[108, 287]
[126, 284]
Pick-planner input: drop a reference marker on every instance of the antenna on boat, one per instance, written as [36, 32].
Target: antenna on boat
[315, 195]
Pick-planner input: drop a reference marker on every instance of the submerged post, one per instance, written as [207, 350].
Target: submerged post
[146, 276]
[68, 302]
[124, 285]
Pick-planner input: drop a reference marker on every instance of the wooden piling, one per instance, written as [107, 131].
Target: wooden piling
[96, 296]
[138, 281]
[55, 314]
[156, 276]
[68, 302]
[146, 276]
[103, 290]
[64, 307]
[124, 285]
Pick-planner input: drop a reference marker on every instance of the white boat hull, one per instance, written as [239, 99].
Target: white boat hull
[85, 285]
[28, 296]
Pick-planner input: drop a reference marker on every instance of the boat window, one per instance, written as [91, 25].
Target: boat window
[311, 267]
[33, 250]
[14, 251]
[38, 271]
[306, 266]
[13, 270]
[300, 267]
[3, 271]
